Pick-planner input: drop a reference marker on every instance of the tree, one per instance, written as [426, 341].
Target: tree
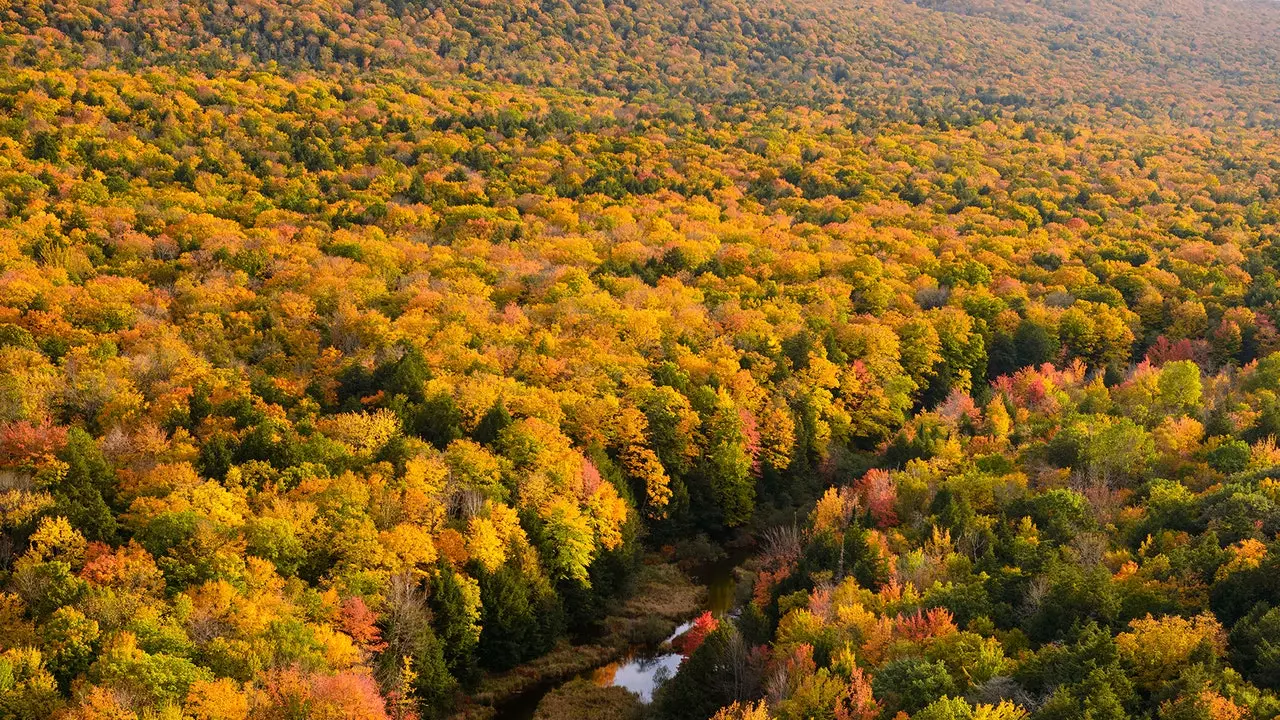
[910, 685]
[512, 629]
[672, 428]
[1157, 648]
[858, 701]
[879, 496]
[833, 511]
[219, 699]
[921, 352]
[455, 603]
[1120, 449]
[727, 464]
[438, 420]
[1080, 675]
[83, 492]
[998, 421]
[816, 695]
[406, 375]
[27, 690]
[957, 709]
[569, 544]
[358, 621]
[491, 425]
[346, 695]
[70, 644]
[1230, 456]
[777, 435]
[1096, 698]
[718, 673]
[1070, 596]
[1255, 646]
[408, 634]
[744, 711]
[156, 679]
[692, 639]
[1061, 514]
[970, 658]
[1035, 345]
[1227, 343]
[1180, 385]
[640, 463]
[962, 355]
[1002, 356]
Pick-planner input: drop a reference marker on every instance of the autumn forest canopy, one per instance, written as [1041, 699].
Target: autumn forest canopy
[397, 360]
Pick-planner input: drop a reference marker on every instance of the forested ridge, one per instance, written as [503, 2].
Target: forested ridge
[1195, 61]
[357, 357]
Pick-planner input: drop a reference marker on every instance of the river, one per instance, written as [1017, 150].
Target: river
[643, 669]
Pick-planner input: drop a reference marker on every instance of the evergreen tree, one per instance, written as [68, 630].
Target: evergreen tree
[438, 420]
[82, 493]
[456, 623]
[495, 420]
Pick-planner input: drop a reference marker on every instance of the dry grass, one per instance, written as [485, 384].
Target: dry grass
[581, 698]
[563, 662]
[663, 598]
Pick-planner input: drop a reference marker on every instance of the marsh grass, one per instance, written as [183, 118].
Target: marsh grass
[582, 698]
[662, 598]
[563, 662]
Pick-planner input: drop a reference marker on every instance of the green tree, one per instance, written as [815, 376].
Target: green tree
[456, 622]
[727, 465]
[491, 425]
[521, 618]
[70, 644]
[438, 420]
[1082, 677]
[1068, 596]
[1179, 385]
[412, 645]
[1255, 646]
[716, 674]
[1060, 514]
[1035, 345]
[910, 684]
[84, 491]
[406, 375]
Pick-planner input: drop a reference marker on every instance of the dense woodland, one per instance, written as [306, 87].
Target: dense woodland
[353, 353]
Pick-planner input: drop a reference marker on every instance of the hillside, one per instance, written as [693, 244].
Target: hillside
[1195, 61]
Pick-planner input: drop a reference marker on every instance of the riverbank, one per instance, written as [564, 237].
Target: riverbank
[663, 598]
[582, 698]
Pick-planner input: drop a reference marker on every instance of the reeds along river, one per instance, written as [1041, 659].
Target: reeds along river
[644, 668]
[641, 672]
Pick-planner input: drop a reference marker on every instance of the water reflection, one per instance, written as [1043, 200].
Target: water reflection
[639, 675]
[643, 670]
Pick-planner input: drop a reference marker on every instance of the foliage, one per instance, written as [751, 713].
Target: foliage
[349, 352]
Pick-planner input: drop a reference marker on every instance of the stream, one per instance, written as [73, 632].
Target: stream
[643, 669]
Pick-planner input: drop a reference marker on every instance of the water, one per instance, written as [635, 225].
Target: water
[640, 672]
[644, 669]
[639, 675]
[721, 582]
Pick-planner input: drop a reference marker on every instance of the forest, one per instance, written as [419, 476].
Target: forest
[413, 360]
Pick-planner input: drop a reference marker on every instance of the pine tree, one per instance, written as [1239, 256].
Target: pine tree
[456, 611]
